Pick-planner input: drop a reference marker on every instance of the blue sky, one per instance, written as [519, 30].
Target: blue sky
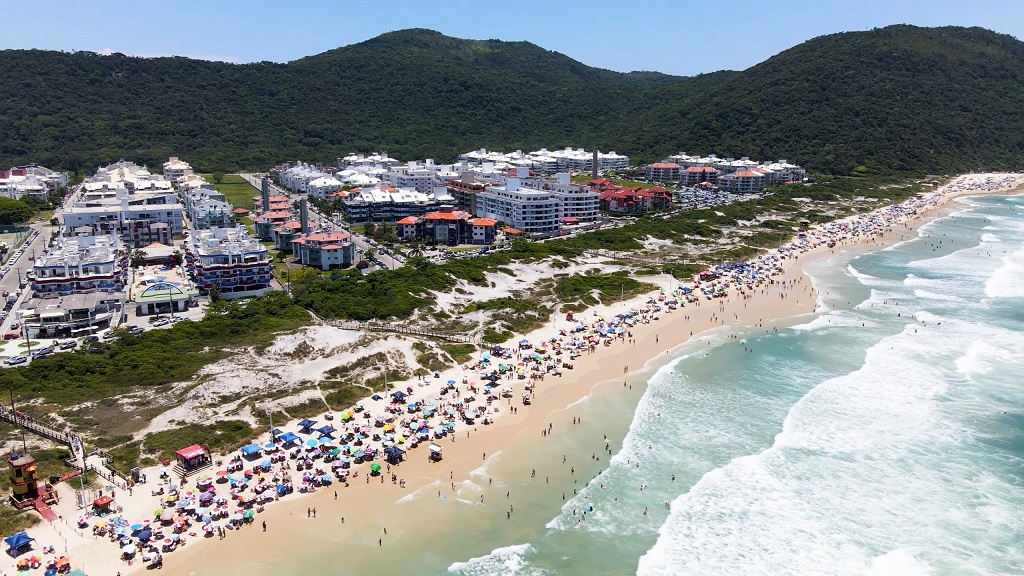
[677, 37]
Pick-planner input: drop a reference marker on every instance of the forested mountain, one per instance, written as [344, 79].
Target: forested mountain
[897, 98]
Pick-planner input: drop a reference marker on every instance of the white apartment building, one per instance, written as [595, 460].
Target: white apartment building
[175, 168]
[229, 259]
[33, 181]
[323, 187]
[367, 161]
[530, 210]
[297, 177]
[575, 200]
[549, 161]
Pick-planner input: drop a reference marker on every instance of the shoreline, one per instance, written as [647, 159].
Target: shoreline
[790, 297]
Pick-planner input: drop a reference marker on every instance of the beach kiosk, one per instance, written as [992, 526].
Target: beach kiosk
[191, 459]
[26, 487]
[435, 452]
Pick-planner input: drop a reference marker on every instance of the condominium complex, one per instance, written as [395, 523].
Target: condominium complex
[30, 181]
[126, 199]
[551, 161]
[77, 287]
[228, 258]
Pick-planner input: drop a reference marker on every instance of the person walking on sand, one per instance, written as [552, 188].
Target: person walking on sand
[264, 525]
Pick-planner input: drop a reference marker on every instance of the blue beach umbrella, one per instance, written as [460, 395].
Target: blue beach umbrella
[265, 463]
[136, 527]
[312, 442]
[269, 446]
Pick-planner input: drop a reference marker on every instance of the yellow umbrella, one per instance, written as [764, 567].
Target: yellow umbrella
[388, 427]
[401, 439]
[101, 524]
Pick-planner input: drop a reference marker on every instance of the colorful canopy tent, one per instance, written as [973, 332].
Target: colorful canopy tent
[251, 449]
[195, 456]
[327, 430]
[275, 433]
[398, 395]
[394, 454]
[16, 542]
[307, 424]
[102, 501]
[288, 437]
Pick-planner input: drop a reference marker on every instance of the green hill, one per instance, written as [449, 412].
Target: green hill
[893, 99]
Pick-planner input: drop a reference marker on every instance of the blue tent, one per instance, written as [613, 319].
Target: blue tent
[399, 395]
[307, 424]
[394, 453]
[19, 540]
[144, 535]
[276, 432]
[289, 437]
[327, 430]
[251, 449]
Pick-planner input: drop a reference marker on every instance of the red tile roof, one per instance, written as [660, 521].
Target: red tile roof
[407, 220]
[665, 165]
[484, 222]
[454, 215]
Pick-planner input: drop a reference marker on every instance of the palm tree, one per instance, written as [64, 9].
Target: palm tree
[415, 248]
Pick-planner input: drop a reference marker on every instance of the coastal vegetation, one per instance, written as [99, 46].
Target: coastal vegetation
[897, 99]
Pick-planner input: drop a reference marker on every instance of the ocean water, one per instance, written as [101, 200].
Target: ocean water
[883, 436]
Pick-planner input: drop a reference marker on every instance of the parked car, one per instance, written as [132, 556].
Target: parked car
[19, 359]
[162, 322]
[91, 339]
[136, 330]
[110, 336]
[68, 344]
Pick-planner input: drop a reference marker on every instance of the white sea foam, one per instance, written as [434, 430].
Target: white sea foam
[857, 274]
[837, 491]
[936, 296]
[990, 238]
[1008, 280]
[509, 560]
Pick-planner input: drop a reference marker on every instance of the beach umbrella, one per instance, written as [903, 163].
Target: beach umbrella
[265, 463]
[129, 548]
[248, 514]
[136, 527]
[375, 467]
[335, 451]
[222, 473]
[145, 535]
[312, 442]
[270, 446]
[50, 572]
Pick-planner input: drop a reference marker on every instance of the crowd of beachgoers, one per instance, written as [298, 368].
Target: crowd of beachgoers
[366, 443]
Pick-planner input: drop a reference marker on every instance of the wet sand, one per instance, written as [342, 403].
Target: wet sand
[369, 508]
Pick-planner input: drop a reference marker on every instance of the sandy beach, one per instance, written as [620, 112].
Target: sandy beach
[360, 513]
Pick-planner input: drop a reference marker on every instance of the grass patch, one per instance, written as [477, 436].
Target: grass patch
[156, 357]
[591, 289]
[222, 436]
[460, 353]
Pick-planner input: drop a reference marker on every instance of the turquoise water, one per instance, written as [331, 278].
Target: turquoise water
[885, 436]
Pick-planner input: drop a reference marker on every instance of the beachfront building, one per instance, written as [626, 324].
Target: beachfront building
[229, 259]
[326, 250]
[625, 200]
[79, 264]
[448, 226]
[744, 181]
[77, 287]
[535, 212]
[663, 172]
[207, 208]
[578, 204]
[386, 204]
[696, 175]
[297, 177]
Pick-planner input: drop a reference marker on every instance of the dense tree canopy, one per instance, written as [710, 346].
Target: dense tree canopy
[893, 99]
[14, 211]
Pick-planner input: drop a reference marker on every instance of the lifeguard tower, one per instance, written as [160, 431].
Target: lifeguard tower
[27, 490]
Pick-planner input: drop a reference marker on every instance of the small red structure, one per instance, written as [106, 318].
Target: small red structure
[192, 458]
[103, 503]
